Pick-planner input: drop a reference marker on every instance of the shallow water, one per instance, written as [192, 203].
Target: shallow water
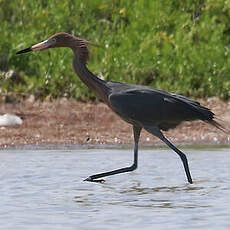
[44, 189]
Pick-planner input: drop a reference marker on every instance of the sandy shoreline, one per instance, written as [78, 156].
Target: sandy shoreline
[68, 122]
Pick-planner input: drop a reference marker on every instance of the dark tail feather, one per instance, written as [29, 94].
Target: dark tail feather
[218, 125]
[200, 112]
[208, 116]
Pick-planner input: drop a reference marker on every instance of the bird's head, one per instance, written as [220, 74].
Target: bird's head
[57, 40]
[78, 45]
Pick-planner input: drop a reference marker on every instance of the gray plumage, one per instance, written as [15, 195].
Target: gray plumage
[142, 106]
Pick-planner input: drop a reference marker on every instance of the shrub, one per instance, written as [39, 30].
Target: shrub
[178, 46]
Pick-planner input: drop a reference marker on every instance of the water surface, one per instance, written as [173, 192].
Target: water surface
[44, 189]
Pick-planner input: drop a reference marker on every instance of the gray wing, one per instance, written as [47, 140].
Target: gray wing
[157, 107]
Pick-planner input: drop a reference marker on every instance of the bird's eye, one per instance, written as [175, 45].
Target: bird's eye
[54, 40]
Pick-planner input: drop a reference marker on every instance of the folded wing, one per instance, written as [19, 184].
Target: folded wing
[154, 107]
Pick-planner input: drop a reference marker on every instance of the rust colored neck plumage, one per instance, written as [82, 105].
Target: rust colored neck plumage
[80, 59]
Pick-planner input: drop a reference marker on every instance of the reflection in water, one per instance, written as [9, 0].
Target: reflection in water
[44, 190]
[145, 197]
[141, 191]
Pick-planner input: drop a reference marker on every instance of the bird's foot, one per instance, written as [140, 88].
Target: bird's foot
[102, 181]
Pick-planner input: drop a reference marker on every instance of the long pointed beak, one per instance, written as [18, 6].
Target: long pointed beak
[24, 51]
[39, 46]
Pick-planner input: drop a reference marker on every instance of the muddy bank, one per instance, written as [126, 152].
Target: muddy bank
[70, 122]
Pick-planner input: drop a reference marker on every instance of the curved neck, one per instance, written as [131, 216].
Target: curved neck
[97, 85]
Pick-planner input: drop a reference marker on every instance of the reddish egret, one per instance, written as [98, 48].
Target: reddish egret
[141, 106]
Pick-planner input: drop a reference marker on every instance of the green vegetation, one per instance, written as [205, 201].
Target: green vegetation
[178, 46]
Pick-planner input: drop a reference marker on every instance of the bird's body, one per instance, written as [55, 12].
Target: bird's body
[143, 107]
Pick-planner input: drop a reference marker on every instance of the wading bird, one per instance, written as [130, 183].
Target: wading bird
[141, 106]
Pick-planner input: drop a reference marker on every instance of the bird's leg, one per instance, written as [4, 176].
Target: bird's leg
[156, 131]
[136, 133]
[182, 156]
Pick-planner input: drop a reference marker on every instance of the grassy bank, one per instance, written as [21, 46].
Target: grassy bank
[179, 46]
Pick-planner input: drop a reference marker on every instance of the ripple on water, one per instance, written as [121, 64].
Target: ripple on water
[44, 189]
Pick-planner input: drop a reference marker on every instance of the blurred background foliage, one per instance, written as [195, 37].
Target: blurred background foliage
[178, 46]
